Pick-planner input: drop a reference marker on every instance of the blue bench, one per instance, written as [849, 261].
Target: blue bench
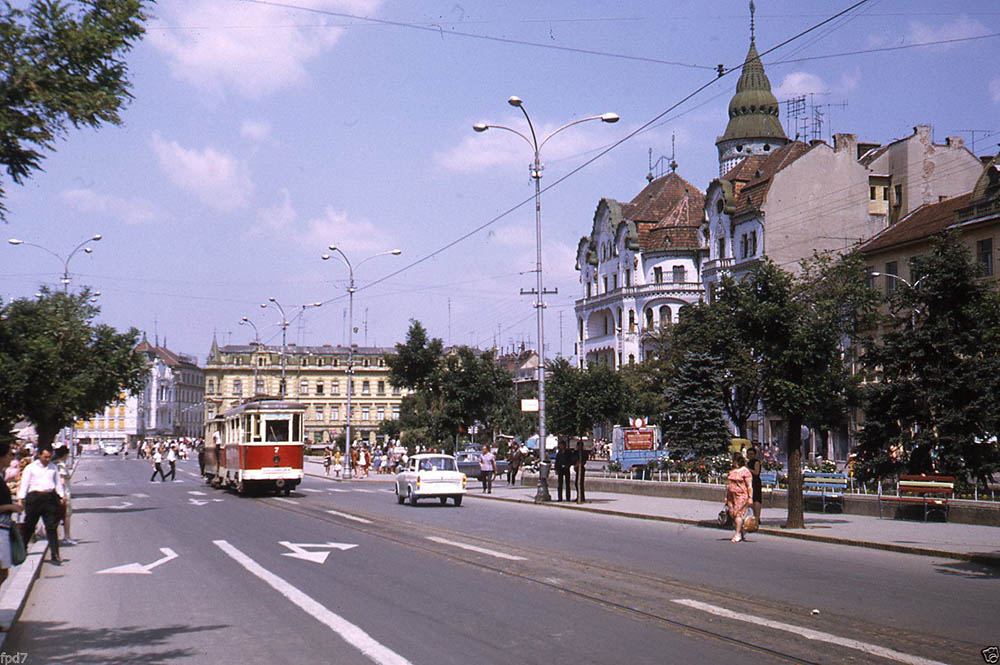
[768, 483]
[827, 487]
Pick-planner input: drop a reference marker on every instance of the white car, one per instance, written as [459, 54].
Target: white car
[430, 476]
[111, 448]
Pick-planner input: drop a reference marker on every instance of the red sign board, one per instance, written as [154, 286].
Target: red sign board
[639, 439]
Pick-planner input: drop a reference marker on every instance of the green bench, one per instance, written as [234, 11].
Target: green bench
[827, 487]
[933, 492]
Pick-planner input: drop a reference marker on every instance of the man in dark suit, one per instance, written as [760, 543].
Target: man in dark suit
[562, 463]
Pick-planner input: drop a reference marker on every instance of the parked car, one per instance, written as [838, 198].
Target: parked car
[468, 463]
[111, 448]
[430, 476]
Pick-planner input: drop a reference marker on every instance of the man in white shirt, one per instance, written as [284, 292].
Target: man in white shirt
[172, 460]
[41, 493]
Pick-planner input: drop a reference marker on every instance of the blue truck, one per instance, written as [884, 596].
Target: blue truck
[633, 447]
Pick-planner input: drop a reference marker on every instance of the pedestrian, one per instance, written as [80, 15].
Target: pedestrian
[172, 460]
[514, 460]
[354, 459]
[40, 494]
[327, 460]
[739, 492]
[362, 463]
[7, 510]
[201, 457]
[580, 457]
[487, 469]
[562, 464]
[157, 466]
[754, 466]
[61, 459]
[338, 463]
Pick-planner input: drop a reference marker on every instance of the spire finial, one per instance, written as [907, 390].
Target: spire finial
[752, 10]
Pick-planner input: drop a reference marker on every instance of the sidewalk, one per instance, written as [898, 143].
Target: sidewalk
[966, 542]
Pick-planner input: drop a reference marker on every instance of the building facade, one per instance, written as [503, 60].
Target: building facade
[638, 267]
[315, 376]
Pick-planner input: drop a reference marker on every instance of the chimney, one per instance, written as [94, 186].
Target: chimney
[923, 132]
[843, 142]
[955, 142]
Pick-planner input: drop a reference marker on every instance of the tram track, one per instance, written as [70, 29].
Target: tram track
[643, 594]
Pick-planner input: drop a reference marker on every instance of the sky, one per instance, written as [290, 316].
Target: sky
[261, 133]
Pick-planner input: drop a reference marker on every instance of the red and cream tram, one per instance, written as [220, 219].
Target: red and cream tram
[256, 446]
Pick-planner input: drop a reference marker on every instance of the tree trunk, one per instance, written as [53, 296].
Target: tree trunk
[796, 506]
[46, 434]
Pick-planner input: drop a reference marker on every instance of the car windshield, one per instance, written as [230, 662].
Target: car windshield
[437, 464]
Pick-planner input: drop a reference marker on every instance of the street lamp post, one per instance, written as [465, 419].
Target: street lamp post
[913, 310]
[535, 170]
[282, 387]
[65, 262]
[245, 321]
[350, 338]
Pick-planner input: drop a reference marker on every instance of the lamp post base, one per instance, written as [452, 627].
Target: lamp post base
[543, 496]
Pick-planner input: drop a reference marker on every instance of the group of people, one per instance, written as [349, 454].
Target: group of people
[364, 460]
[37, 486]
[566, 460]
[160, 453]
[743, 491]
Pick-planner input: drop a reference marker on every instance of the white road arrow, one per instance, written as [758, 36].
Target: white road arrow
[138, 568]
[125, 504]
[299, 551]
[197, 502]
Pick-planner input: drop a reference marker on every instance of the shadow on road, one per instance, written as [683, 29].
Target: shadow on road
[971, 569]
[66, 643]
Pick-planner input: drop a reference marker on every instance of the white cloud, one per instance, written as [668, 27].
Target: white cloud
[961, 27]
[252, 49]
[995, 90]
[219, 180]
[334, 227]
[256, 130]
[129, 210]
[800, 83]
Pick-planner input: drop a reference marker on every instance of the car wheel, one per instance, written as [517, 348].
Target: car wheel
[411, 496]
[458, 501]
[444, 500]
[400, 499]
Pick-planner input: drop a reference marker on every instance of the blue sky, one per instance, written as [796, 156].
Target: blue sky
[262, 133]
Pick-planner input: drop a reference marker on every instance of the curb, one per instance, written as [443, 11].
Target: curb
[15, 589]
[983, 559]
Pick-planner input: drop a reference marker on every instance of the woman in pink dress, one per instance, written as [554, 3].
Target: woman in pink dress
[739, 492]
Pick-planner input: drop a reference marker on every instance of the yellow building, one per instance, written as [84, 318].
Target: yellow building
[315, 376]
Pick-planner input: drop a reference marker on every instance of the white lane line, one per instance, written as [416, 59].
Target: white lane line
[349, 517]
[291, 501]
[310, 489]
[196, 493]
[334, 489]
[474, 548]
[349, 632]
[365, 491]
[810, 634]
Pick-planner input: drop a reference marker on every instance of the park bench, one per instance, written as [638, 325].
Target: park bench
[768, 483]
[827, 487]
[933, 492]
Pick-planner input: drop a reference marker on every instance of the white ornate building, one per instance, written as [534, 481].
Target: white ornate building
[638, 267]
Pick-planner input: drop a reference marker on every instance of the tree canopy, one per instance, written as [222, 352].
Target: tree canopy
[57, 366]
[577, 399]
[61, 64]
[932, 404]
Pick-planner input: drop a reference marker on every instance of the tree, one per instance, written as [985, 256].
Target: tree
[696, 423]
[576, 400]
[61, 64]
[56, 366]
[932, 403]
[415, 361]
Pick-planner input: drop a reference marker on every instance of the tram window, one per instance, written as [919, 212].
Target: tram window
[246, 428]
[256, 428]
[277, 430]
[297, 427]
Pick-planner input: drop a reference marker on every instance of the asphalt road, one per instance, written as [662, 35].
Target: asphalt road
[490, 582]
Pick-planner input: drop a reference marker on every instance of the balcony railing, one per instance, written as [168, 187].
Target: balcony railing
[642, 291]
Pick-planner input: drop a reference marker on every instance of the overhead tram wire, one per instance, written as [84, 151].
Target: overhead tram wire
[558, 181]
[469, 35]
[883, 49]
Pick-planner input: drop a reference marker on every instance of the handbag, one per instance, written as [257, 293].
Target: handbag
[18, 552]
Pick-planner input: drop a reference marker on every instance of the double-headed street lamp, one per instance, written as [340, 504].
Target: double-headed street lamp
[282, 388]
[535, 170]
[65, 262]
[350, 337]
[913, 286]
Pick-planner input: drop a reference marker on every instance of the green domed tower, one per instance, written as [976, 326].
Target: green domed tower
[754, 116]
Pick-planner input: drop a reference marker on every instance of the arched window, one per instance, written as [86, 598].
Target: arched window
[664, 315]
[649, 318]
[631, 359]
[619, 326]
[631, 320]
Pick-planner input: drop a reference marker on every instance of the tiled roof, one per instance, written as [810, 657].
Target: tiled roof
[668, 213]
[754, 193]
[923, 222]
